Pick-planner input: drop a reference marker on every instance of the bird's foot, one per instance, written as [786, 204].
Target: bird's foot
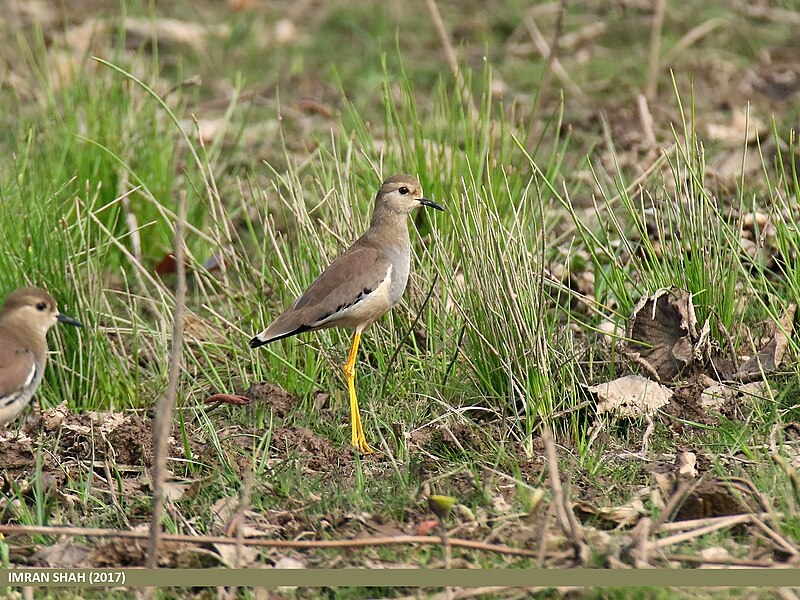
[360, 442]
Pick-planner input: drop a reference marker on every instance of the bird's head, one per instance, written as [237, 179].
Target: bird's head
[401, 194]
[35, 309]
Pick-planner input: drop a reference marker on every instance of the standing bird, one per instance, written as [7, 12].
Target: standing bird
[361, 285]
[27, 314]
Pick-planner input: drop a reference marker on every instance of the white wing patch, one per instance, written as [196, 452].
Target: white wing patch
[31, 376]
[361, 304]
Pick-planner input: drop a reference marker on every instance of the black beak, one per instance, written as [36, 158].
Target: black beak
[62, 318]
[431, 203]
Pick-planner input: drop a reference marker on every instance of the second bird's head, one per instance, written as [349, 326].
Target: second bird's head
[35, 309]
[401, 194]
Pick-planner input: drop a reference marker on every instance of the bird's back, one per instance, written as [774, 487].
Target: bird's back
[355, 290]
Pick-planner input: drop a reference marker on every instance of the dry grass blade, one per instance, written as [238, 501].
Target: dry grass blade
[654, 63]
[780, 541]
[548, 69]
[693, 36]
[790, 471]
[646, 119]
[452, 61]
[558, 69]
[163, 419]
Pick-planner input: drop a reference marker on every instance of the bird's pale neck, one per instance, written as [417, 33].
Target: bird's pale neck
[390, 227]
[32, 335]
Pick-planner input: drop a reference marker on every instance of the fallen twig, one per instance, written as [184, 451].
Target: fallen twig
[738, 562]
[700, 531]
[641, 535]
[694, 523]
[12, 530]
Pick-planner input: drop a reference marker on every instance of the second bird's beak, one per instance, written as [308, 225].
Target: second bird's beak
[431, 203]
[62, 318]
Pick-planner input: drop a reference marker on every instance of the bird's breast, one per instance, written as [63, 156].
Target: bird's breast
[398, 279]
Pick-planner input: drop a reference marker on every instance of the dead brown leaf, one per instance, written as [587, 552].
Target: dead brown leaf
[771, 355]
[662, 330]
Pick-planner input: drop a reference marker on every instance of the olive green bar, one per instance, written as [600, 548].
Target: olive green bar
[399, 577]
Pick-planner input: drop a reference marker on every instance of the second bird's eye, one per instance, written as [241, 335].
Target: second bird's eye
[41, 306]
[403, 190]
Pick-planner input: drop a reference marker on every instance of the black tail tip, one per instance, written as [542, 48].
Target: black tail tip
[255, 343]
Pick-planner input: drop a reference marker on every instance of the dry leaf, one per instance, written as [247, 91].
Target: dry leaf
[742, 126]
[714, 396]
[170, 31]
[62, 555]
[247, 555]
[631, 396]
[716, 554]
[285, 31]
[771, 355]
[174, 489]
[662, 330]
[273, 395]
[287, 562]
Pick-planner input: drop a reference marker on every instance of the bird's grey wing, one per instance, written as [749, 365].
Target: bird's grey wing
[349, 279]
[17, 370]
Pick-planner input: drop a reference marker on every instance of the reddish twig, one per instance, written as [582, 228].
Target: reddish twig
[234, 399]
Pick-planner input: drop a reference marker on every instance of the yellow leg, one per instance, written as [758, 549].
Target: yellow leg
[356, 429]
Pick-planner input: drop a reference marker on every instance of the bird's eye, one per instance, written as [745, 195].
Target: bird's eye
[403, 190]
[41, 306]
